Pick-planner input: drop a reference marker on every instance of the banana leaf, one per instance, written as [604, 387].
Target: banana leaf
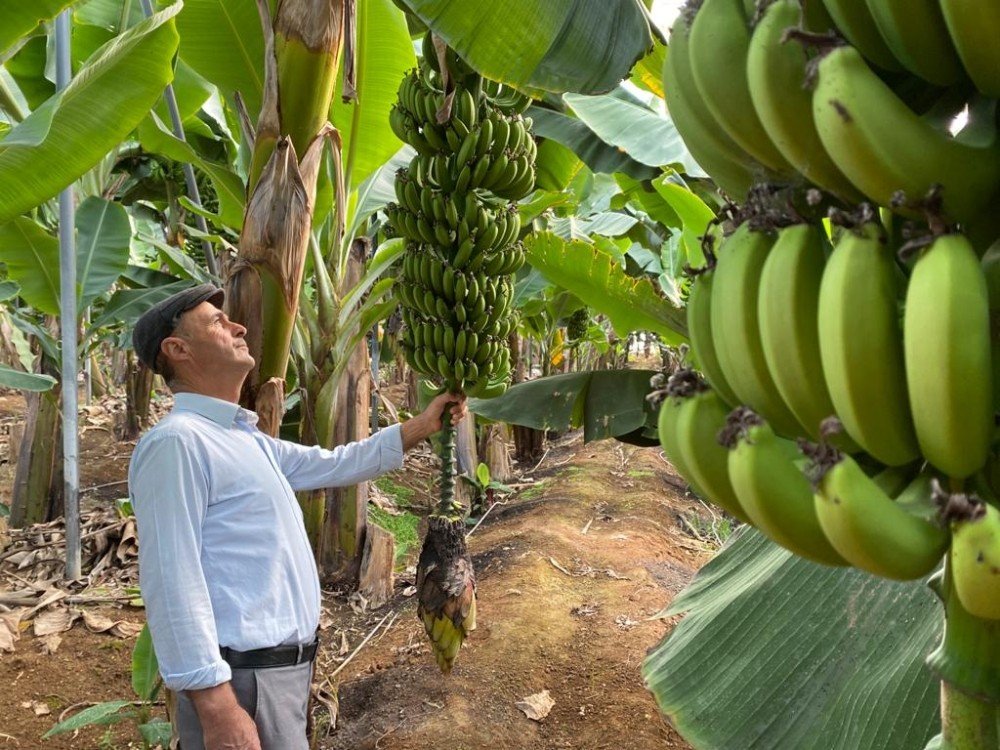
[576, 136]
[607, 403]
[777, 652]
[17, 18]
[384, 54]
[631, 304]
[76, 128]
[577, 45]
[638, 131]
[223, 41]
[25, 381]
[102, 247]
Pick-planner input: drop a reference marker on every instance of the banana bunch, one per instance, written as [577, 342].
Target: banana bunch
[455, 208]
[777, 95]
[802, 339]
[577, 324]
[475, 155]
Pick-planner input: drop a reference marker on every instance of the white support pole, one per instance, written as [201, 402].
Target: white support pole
[67, 325]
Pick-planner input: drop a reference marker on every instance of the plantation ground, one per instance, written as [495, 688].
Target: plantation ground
[596, 541]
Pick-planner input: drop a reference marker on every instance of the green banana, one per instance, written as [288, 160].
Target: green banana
[772, 489]
[975, 563]
[699, 420]
[788, 310]
[991, 272]
[776, 76]
[974, 26]
[736, 331]
[728, 164]
[861, 348]
[718, 52]
[915, 32]
[946, 340]
[883, 147]
[871, 530]
[699, 323]
[854, 21]
[666, 428]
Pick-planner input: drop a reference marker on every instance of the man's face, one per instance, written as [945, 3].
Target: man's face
[212, 342]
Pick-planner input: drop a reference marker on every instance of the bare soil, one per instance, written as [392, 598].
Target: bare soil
[572, 570]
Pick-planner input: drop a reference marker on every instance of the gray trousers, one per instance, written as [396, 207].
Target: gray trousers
[276, 698]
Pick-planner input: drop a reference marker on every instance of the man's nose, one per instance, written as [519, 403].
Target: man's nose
[238, 330]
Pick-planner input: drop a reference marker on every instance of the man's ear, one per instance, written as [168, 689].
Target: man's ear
[175, 348]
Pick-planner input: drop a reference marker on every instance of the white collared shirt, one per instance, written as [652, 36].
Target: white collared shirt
[223, 555]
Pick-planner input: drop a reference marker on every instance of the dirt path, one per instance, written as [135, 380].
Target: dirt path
[569, 575]
[570, 572]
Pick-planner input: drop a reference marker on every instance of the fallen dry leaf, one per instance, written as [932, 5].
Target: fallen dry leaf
[57, 620]
[537, 706]
[50, 643]
[10, 628]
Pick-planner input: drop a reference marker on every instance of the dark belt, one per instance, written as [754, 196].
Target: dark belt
[277, 656]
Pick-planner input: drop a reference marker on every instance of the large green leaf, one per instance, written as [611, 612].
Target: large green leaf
[574, 45]
[126, 305]
[384, 54]
[778, 652]
[18, 17]
[32, 258]
[102, 247]
[631, 304]
[76, 128]
[608, 403]
[693, 212]
[156, 137]
[98, 714]
[582, 141]
[638, 131]
[224, 42]
[145, 668]
[25, 381]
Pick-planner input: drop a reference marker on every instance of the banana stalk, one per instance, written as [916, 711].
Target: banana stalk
[968, 662]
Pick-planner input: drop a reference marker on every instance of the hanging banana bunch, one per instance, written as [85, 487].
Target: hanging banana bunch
[455, 209]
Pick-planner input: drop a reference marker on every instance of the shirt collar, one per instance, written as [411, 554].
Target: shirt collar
[223, 413]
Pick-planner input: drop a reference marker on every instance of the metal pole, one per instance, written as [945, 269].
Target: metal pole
[192, 185]
[67, 325]
[88, 375]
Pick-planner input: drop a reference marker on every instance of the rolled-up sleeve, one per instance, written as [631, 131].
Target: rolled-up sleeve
[169, 491]
[312, 467]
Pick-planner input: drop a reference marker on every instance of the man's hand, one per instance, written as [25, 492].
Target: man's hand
[225, 725]
[431, 419]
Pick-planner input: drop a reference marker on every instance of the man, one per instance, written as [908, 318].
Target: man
[227, 575]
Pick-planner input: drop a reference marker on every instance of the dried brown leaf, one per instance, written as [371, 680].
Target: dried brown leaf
[50, 643]
[57, 620]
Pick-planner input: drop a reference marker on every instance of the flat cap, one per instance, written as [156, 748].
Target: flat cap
[159, 321]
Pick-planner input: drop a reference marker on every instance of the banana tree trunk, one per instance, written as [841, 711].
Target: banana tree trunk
[343, 534]
[38, 486]
[138, 390]
[302, 51]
